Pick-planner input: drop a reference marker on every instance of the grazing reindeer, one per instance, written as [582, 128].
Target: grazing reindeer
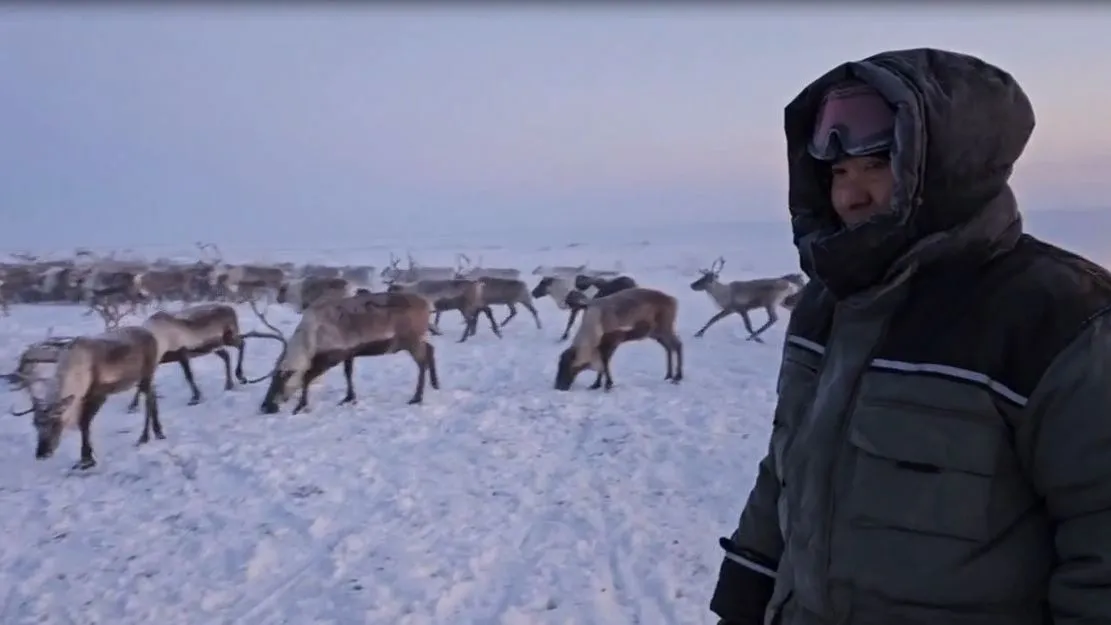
[303, 292]
[577, 300]
[629, 315]
[466, 296]
[338, 331]
[508, 292]
[198, 331]
[741, 296]
[91, 369]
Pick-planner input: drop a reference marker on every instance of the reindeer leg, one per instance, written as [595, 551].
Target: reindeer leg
[493, 324]
[772, 318]
[677, 349]
[152, 409]
[722, 314]
[436, 318]
[348, 371]
[223, 354]
[597, 382]
[317, 369]
[242, 379]
[535, 315]
[430, 357]
[183, 360]
[89, 408]
[570, 322]
[134, 405]
[470, 329]
[667, 350]
[606, 348]
[512, 313]
[422, 353]
[748, 323]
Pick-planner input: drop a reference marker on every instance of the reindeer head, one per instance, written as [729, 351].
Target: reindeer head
[571, 364]
[49, 423]
[709, 276]
[543, 287]
[584, 282]
[576, 300]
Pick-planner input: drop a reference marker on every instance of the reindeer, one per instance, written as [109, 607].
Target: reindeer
[89, 370]
[393, 273]
[577, 300]
[245, 281]
[467, 269]
[198, 331]
[161, 284]
[629, 315]
[508, 292]
[741, 296]
[558, 271]
[466, 296]
[338, 331]
[559, 289]
[302, 292]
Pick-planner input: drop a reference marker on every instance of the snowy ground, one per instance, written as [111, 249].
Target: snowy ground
[499, 501]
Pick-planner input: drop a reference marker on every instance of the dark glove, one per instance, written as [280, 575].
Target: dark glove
[742, 593]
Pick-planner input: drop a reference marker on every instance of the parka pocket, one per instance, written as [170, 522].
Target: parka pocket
[923, 470]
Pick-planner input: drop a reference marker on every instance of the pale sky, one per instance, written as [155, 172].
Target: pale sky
[300, 125]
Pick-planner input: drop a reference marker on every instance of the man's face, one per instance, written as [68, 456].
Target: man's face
[861, 187]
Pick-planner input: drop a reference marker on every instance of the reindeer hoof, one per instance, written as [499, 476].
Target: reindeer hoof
[194, 401]
[84, 464]
[143, 440]
[347, 400]
[160, 436]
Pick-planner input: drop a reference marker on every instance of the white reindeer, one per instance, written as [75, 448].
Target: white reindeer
[742, 296]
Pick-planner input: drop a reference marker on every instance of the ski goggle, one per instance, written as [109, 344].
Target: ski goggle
[853, 120]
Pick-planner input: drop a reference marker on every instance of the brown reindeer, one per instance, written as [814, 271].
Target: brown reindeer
[88, 371]
[339, 331]
[466, 296]
[197, 331]
[628, 315]
[508, 292]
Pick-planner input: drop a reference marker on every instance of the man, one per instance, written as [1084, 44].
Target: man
[941, 449]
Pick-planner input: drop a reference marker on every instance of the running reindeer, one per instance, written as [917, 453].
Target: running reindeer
[742, 296]
[338, 331]
[507, 292]
[89, 370]
[628, 315]
[197, 331]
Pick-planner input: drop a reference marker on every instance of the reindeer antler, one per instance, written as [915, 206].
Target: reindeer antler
[110, 304]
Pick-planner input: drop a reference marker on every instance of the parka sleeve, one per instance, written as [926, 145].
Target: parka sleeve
[1065, 436]
[747, 575]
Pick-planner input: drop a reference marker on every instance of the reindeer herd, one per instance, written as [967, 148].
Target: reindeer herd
[343, 317]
